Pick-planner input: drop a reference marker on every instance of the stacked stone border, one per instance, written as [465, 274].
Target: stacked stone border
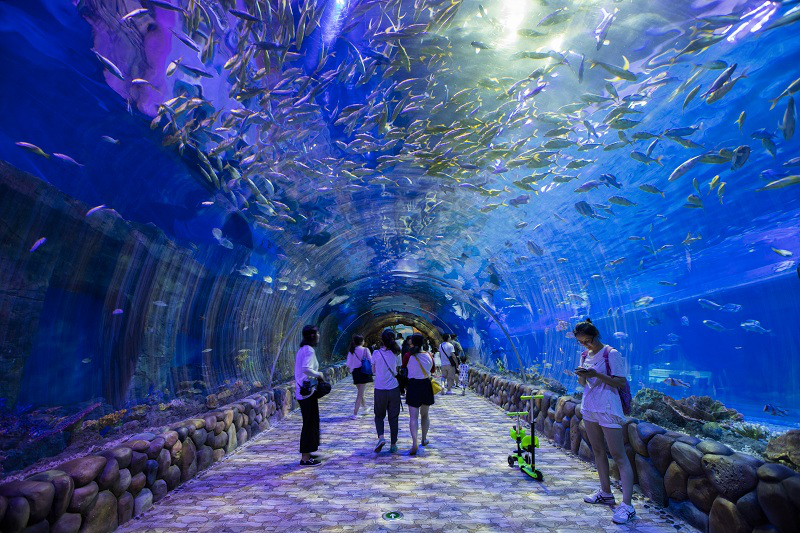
[704, 482]
[99, 492]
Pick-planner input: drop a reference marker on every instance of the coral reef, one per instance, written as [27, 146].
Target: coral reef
[702, 417]
[785, 448]
[106, 421]
[648, 404]
[553, 385]
[702, 409]
[751, 431]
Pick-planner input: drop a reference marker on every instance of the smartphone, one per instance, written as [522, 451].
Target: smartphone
[581, 370]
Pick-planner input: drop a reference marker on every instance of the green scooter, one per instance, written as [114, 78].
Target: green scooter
[524, 456]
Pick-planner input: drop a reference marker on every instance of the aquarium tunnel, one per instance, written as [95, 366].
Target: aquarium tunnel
[186, 184]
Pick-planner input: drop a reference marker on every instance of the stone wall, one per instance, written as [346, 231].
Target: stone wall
[98, 492]
[712, 487]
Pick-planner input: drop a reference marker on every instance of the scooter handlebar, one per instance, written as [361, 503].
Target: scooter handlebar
[517, 413]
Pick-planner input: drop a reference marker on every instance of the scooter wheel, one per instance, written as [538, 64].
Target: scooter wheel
[538, 476]
[512, 461]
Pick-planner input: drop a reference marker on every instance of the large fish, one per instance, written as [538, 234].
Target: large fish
[716, 326]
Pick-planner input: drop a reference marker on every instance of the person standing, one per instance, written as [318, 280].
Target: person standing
[602, 373]
[437, 365]
[446, 351]
[419, 391]
[306, 368]
[355, 359]
[406, 345]
[387, 389]
[459, 351]
[463, 374]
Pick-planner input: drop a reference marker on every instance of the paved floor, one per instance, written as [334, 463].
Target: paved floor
[460, 482]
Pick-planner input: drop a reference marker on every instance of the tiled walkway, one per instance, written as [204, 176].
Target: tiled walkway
[460, 482]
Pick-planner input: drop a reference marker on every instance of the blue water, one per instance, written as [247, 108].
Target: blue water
[417, 239]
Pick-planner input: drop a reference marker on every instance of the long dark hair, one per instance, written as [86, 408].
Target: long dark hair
[358, 340]
[586, 328]
[307, 331]
[388, 340]
[417, 341]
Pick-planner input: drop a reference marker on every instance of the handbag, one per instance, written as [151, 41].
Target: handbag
[624, 392]
[315, 387]
[452, 361]
[308, 387]
[323, 388]
[434, 384]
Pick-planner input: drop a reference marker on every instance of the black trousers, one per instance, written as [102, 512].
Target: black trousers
[309, 435]
[387, 400]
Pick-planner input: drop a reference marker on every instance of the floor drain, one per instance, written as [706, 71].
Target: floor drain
[393, 515]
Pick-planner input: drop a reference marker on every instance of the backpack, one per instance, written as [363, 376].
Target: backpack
[366, 366]
[625, 391]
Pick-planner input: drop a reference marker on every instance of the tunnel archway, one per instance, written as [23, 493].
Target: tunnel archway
[372, 323]
[392, 283]
[374, 329]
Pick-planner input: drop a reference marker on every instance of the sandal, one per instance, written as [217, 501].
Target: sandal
[425, 442]
[412, 451]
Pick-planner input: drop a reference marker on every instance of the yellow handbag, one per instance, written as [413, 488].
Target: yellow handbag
[434, 384]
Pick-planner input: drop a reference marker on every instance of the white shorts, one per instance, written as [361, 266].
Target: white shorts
[606, 420]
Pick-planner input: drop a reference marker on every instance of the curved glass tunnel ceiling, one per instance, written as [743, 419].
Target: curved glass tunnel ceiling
[501, 168]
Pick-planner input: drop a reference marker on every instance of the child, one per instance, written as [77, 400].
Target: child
[463, 374]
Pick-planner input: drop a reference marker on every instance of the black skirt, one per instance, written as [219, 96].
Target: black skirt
[419, 392]
[359, 377]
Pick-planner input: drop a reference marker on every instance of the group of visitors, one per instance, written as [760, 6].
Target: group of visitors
[397, 372]
[602, 373]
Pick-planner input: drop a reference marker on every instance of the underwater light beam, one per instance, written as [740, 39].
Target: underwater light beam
[333, 24]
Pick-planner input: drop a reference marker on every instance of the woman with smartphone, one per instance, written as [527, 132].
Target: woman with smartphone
[603, 373]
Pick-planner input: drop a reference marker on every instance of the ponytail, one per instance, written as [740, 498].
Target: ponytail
[389, 342]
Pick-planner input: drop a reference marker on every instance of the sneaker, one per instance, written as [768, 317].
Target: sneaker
[393, 448]
[599, 497]
[354, 417]
[311, 462]
[623, 514]
[379, 446]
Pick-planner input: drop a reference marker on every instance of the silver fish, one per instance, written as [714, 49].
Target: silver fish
[787, 126]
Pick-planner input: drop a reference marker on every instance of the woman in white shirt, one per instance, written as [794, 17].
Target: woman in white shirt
[306, 368]
[387, 388]
[419, 391]
[355, 358]
[602, 373]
